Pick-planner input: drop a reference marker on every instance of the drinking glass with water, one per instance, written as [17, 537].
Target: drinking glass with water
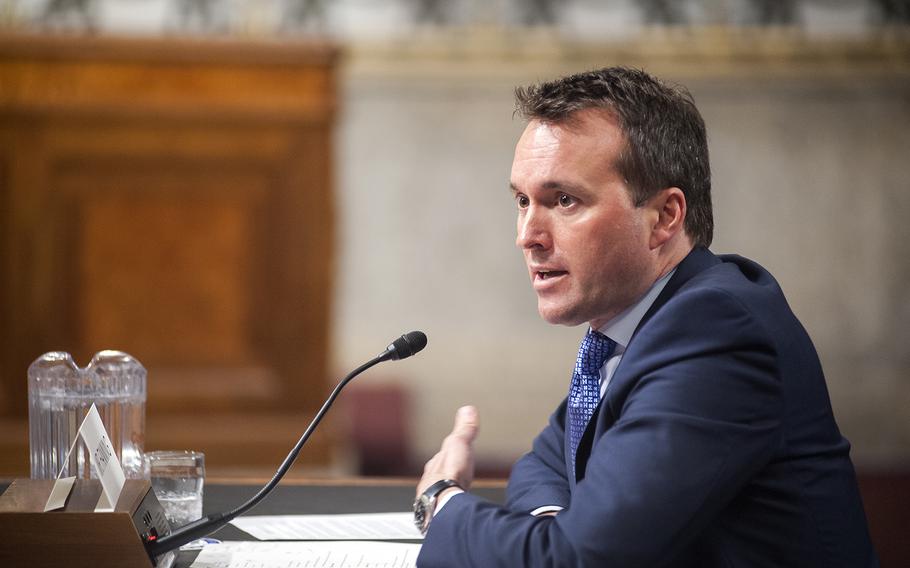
[177, 479]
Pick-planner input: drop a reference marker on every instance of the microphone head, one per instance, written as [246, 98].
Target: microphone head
[407, 345]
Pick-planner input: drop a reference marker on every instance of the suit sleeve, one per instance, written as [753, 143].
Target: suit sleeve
[698, 410]
[539, 477]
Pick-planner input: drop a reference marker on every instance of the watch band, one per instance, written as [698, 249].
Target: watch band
[425, 505]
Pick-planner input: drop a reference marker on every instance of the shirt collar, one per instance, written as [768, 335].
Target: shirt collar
[621, 328]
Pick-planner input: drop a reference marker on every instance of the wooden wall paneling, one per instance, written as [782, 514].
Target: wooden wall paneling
[30, 301]
[219, 203]
[6, 351]
[172, 200]
[307, 261]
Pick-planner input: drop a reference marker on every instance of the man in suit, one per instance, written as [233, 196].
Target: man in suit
[697, 430]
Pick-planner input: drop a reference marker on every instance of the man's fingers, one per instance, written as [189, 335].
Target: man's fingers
[455, 460]
[466, 423]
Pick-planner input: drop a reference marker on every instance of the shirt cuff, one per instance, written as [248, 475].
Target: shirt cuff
[546, 509]
[445, 499]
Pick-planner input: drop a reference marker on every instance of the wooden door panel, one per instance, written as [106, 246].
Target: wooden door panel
[173, 201]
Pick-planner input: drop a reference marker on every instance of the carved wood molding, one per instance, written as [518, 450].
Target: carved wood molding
[170, 76]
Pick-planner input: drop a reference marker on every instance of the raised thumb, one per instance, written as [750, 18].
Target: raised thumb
[466, 423]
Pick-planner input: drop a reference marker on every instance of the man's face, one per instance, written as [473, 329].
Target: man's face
[585, 244]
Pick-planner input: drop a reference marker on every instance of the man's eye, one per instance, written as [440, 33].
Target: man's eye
[523, 201]
[565, 200]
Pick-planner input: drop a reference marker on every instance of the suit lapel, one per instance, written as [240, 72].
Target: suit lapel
[696, 261]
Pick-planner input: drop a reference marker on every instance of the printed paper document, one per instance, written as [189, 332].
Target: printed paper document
[366, 526]
[346, 554]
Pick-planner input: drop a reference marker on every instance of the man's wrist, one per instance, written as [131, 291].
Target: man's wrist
[425, 504]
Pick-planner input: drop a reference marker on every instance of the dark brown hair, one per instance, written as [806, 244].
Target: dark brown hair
[666, 142]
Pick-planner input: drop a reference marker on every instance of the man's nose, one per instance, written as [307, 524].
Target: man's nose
[532, 230]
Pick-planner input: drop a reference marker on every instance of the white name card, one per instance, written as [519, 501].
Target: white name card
[103, 460]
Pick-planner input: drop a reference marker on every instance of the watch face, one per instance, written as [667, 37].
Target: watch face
[420, 514]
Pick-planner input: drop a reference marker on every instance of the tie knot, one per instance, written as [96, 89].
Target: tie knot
[595, 349]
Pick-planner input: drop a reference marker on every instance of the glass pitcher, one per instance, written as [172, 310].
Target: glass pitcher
[59, 396]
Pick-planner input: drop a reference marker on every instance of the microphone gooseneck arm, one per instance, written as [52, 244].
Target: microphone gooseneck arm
[405, 346]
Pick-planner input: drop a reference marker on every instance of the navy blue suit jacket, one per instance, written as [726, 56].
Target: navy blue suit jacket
[714, 446]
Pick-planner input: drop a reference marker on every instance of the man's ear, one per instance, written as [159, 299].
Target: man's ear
[670, 208]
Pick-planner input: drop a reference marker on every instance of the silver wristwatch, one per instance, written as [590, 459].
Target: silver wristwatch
[425, 505]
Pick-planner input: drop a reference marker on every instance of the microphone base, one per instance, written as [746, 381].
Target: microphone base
[77, 537]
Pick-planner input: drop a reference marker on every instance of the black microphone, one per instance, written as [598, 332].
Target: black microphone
[405, 346]
[402, 348]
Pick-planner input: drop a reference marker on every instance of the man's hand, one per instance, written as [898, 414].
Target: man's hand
[455, 459]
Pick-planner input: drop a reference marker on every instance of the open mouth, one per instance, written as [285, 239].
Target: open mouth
[547, 274]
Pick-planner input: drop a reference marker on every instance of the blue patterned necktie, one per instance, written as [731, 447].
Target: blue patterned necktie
[584, 393]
